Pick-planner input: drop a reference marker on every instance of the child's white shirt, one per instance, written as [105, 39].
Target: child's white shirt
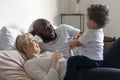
[93, 43]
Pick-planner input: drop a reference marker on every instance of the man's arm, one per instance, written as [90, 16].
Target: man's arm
[71, 30]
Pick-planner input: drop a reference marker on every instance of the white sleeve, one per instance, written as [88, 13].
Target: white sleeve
[37, 73]
[71, 30]
[85, 38]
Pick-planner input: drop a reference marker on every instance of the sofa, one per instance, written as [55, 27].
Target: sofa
[110, 69]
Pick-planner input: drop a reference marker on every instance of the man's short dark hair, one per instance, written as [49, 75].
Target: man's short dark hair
[98, 13]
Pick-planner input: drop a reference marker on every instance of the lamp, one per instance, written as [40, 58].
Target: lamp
[77, 7]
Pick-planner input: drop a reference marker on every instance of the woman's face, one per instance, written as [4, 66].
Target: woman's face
[33, 46]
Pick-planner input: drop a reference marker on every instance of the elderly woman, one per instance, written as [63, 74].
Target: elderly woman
[40, 66]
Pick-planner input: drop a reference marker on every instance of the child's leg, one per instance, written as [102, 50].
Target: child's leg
[75, 63]
[71, 69]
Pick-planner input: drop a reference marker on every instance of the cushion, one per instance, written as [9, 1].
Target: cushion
[8, 37]
[101, 73]
[112, 55]
[11, 65]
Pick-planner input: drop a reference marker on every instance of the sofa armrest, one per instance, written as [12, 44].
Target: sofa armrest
[108, 41]
[107, 45]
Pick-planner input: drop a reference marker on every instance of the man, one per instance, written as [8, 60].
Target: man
[53, 39]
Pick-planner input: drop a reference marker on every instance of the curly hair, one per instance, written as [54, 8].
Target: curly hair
[99, 14]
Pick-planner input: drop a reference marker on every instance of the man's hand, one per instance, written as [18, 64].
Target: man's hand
[70, 51]
[70, 43]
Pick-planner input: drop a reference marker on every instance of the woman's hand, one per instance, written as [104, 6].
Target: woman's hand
[57, 54]
[55, 58]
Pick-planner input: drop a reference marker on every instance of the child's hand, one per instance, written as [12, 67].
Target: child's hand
[74, 43]
[76, 36]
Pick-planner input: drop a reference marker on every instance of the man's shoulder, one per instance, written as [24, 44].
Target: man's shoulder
[64, 27]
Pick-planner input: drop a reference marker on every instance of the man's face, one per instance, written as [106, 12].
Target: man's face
[46, 32]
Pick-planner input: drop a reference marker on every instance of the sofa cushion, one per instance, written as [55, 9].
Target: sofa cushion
[12, 65]
[112, 55]
[101, 74]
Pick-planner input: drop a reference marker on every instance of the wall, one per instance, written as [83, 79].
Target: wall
[24, 12]
[69, 6]
[112, 29]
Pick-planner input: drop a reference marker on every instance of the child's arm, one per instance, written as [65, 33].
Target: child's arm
[74, 43]
[76, 36]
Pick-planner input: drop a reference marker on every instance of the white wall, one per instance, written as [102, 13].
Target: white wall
[69, 6]
[112, 29]
[24, 12]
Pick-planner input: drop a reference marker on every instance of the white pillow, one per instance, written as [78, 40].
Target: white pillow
[12, 65]
[8, 37]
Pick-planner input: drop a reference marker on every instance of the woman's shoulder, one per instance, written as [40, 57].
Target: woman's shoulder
[37, 60]
[64, 27]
